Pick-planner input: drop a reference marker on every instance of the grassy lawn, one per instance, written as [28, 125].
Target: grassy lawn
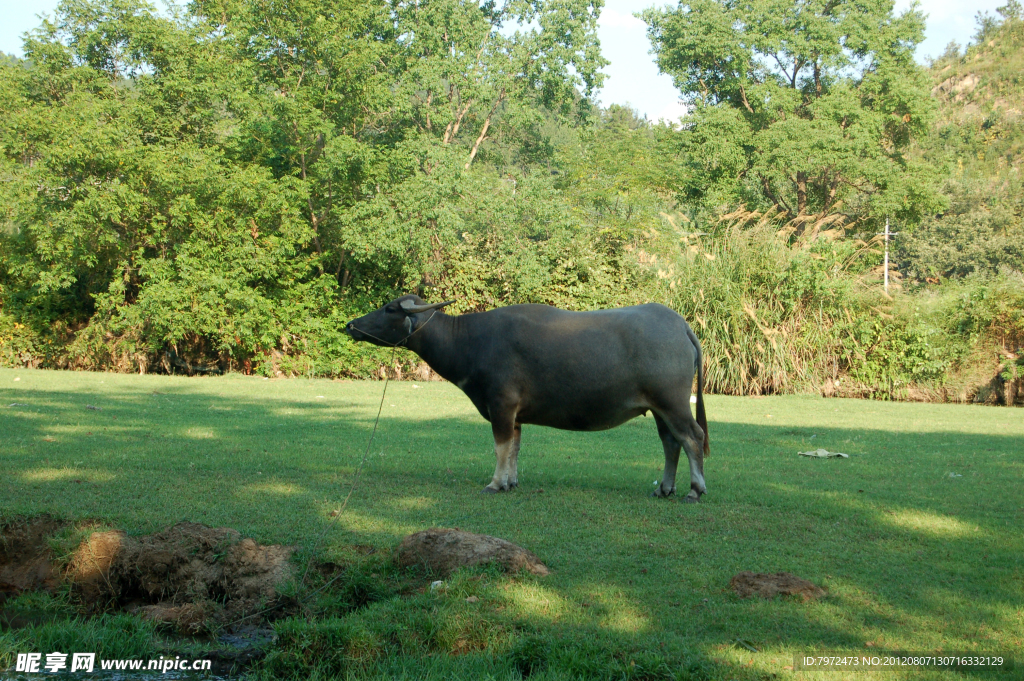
[918, 537]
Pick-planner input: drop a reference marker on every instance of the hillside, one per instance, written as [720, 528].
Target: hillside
[978, 139]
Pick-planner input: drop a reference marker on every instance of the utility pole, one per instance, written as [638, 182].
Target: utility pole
[887, 234]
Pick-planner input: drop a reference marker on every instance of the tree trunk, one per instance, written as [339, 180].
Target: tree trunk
[453, 127]
[312, 213]
[746, 104]
[801, 192]
[1010, 392]
[483, 132]
[833, 187]
[775, 199]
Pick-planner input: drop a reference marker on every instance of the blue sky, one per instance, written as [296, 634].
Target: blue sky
[633, 77]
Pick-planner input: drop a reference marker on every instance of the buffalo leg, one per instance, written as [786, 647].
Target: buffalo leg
[686, 431]
[517, 435]
[505, 441]
[672, 446]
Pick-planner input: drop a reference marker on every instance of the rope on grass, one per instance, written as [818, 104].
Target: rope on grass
[359, 470]
[337, 514]
[355, 479]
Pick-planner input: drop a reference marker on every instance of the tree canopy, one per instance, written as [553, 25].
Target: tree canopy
[213, 178]
[801, 106]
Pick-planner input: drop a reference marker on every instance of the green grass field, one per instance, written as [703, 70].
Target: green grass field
[918, 537]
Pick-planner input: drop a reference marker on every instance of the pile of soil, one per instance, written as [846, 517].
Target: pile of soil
[197, 579]
[443, 550]
[190, 576]
[747, 584]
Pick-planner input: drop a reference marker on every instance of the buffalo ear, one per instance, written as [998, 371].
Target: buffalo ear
[412, 308]
[407, 324]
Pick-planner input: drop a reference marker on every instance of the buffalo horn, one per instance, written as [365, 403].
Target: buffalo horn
[413, 308]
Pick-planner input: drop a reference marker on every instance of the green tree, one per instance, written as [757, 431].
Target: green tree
[129, 226]
[470, 83]
[980, 137]
[615, 170]
[806, 107]
[225, 180]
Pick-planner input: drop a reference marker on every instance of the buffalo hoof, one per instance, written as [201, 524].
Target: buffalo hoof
[659, 494]
[489, 490]
[692, 498]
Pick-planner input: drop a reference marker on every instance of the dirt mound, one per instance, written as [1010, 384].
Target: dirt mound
[444, 550]
[26, 563]
[747, 584]
[188, 574]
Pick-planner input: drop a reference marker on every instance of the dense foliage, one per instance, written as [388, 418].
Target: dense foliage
[799, 106]
[221, 186]
[979, 139]
[232, 180]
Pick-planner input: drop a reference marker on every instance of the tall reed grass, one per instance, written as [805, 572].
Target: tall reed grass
[798, 306]
[763, 296]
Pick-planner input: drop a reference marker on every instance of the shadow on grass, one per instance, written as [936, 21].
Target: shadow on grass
[918, 539]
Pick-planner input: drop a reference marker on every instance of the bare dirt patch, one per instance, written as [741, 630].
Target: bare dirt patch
[748, 584]
[197, 580]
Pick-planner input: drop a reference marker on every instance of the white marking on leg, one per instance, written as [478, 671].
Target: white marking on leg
[696, 477]
[502, 468]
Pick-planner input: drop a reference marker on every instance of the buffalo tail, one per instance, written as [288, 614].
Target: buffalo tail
[702, 419]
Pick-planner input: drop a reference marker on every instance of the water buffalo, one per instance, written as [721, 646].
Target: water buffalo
[571, 370]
